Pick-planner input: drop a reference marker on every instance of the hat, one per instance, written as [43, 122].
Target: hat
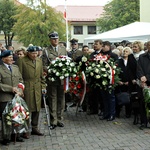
[32, 49]
[38, 48]
[53, 35]
[6, 53]
[74, 41]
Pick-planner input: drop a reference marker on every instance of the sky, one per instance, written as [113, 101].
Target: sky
[54, 3]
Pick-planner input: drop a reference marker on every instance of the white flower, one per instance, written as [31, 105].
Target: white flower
[98, 66]
[72, 64]
[104, 82]
[8, 117]
[54, 71]
[93, 65]
[103, 69]
[74, 69]
[101, 62]
[60, 64]
[91, 73]
[67, 75]
[57, 73]
[84, 59]
[107, 66]
[74, 75]
[61, 77]
[63, 59]
[64, 69]
[52, 79]
[98, 76]
[9, 123]
[104, 75]
[67, 63]
[96, 70]
[70, 69]
[114, 67]
[80, 63]
[89, 68]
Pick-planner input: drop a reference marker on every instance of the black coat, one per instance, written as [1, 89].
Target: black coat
[143, 67]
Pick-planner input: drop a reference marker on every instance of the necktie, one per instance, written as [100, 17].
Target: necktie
[55, 49]
[10, 68]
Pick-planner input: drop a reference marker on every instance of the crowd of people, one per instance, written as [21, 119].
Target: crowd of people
[29, 67]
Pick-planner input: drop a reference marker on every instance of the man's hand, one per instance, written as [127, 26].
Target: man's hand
[143, 79]
[15, 90]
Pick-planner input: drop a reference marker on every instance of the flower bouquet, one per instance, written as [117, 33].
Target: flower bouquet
[15, 116]
[77, 87]
[102, 72]
[62, 67]
[146, 94]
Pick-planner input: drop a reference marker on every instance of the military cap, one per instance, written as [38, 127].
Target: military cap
[32, 49]
[6, 53]
[73, 41]
[53, 35]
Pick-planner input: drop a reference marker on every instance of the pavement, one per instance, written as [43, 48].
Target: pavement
[87, 132]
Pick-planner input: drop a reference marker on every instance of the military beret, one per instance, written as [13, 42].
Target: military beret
[32, 49]
[38, 48]
[53, 35]
[74, 41]
[6, 53]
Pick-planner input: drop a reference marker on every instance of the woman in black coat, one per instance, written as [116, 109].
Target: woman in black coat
[123, 84]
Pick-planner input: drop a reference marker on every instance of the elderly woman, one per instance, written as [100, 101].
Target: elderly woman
[123, 84]
[21, 52]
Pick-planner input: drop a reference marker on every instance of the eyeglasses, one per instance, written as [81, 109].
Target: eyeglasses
[74, 44]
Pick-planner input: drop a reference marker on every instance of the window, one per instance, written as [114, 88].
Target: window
[78, 30]
[91, 29]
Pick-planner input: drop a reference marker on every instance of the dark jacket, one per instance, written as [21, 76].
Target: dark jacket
[143, 67]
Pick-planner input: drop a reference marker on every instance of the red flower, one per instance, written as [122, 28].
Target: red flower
[79, 85]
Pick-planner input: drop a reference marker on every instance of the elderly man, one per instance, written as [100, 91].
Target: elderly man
[10, 77]
[31, 68]
[55, 90]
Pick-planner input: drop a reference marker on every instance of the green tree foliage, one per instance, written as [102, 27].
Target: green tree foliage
[7, 10]
[35, 22]
[118, 13]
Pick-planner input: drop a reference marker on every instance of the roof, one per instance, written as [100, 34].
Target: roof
[131, 32]
[81, 13]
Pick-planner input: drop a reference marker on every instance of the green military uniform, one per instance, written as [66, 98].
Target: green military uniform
[8, 80]
[32, 73]
[55, 89]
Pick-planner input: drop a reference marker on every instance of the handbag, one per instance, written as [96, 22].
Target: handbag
[123, 98]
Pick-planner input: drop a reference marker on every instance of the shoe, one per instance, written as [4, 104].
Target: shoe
[101, 113]
[53, 126]
[25, 135]
[5, 142]
[72, 105]
[103, 117]
[19, 139]
[60, 124]
[36, 132]
[111, 118]
[143, 126]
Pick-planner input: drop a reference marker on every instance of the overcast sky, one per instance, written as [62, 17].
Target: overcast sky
[54, 3]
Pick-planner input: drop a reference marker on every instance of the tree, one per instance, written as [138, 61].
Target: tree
[35, 22]
[118, 13]
[7, 10]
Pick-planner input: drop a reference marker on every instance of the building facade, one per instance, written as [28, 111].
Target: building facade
[82, 21]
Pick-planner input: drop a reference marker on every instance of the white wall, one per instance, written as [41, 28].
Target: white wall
[144, 10]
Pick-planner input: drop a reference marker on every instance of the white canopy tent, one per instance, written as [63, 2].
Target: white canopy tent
[131, 32]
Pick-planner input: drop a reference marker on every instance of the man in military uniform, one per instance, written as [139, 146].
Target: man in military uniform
[31, 68]
[55, 90]
[10, 77]
[75, 52]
